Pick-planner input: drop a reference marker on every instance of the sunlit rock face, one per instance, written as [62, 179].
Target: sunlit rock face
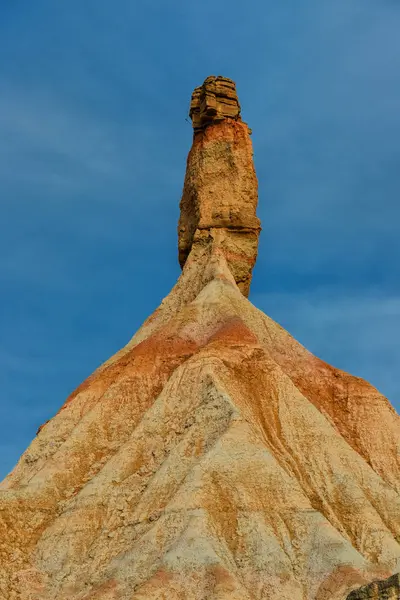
[213, 457]
[220, 193]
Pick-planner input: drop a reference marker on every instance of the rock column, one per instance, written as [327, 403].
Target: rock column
[220, 193]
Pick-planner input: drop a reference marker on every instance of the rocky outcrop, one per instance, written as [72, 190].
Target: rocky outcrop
[212, 458]
[220, 193]
[388, 589]
[213, 102]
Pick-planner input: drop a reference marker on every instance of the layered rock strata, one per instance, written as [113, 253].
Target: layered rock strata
[212, 458]
[213, 102]
[220, 193]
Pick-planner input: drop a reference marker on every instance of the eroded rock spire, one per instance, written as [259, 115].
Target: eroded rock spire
[213, 456]
[220, 194]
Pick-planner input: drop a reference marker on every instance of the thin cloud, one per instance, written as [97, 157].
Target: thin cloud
[33, 127]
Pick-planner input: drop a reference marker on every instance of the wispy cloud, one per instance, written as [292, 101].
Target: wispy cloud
[326, 145]
[42, 140]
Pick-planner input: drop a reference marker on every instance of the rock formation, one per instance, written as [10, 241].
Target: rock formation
[388, 589]
[213, 457]
[220, 193]
[213, 102]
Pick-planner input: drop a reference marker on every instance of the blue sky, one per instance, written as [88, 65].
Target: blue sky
[93, 144]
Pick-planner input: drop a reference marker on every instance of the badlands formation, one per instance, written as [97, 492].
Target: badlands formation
[213, 457]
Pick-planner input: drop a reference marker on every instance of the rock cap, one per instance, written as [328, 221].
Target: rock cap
[213, 101]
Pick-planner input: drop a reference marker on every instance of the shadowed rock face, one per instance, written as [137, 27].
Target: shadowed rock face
[213, 457]
[388, 589]
[220, 193]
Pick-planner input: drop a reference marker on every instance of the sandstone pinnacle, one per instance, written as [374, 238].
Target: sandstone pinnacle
[213, 102]
[213, 457]
[220, 194]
